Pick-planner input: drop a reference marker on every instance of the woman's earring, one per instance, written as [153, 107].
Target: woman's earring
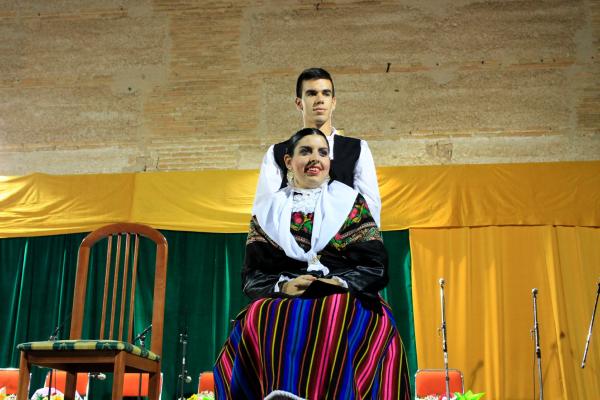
[290, 176]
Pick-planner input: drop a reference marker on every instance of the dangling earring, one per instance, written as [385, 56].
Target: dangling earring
[290, 177]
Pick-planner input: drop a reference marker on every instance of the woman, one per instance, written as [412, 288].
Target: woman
[315, 261]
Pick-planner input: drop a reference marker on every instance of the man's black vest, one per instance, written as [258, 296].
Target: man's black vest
[346, 153]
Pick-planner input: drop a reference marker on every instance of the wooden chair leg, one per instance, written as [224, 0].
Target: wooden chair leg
[118, 376]
[70, 385]
[154, 385]
[24, 370]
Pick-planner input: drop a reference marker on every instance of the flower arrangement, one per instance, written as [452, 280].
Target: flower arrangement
[42, 394]
[205, 395]
[469, 395]
[4, 396]
[55, 394]
[52, 397]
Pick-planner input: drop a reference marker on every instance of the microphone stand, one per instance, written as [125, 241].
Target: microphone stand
[54, 337]
[142, 338]
[94, 376]
[589, 336]
[444, 342]
[536, 334]
[183, 377]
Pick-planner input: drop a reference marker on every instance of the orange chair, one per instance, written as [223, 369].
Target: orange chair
[131, 385]
[433, 382]
[9, 379]
[206, 382]
[59, 381]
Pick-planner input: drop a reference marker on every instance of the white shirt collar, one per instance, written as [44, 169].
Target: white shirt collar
[331, 141]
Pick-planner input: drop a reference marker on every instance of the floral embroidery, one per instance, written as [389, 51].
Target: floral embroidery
[358, 227]
[302, 222]
[364, 233]
[359, 212]
[256, 234]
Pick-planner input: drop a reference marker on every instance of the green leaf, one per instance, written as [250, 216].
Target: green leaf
[469, 396]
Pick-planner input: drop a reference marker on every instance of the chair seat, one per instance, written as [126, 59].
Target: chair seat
[90, 345]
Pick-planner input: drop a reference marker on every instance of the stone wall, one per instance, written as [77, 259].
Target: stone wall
[111, 86]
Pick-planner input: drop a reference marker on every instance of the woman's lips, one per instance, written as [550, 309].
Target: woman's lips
[313, 170]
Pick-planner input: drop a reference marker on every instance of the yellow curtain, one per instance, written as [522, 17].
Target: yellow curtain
[490, 273]
[220, 201]
[492, 231]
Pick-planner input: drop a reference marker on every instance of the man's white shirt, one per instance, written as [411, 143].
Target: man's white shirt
[365, 177]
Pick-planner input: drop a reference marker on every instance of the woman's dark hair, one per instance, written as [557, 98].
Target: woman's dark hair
[311, 74]
[296, 137]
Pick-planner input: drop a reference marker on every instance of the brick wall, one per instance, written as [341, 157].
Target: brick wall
[111, 86]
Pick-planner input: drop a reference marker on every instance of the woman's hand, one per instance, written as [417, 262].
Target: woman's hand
[297, 286]
[331, 281]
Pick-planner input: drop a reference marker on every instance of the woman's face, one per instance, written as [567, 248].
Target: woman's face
[310, 162]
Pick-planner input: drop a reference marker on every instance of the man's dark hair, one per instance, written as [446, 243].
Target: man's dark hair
[311, 74]
[296, 137]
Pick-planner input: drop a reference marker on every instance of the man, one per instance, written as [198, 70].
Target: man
[351, 159]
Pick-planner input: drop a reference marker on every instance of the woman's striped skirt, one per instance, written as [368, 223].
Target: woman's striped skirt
[326, 348]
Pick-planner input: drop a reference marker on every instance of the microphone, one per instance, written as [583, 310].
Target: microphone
[97, 375]
[54, 335]
[538, 351]
[59, 328]
[444, 333]
[183, 377]
[143, 334]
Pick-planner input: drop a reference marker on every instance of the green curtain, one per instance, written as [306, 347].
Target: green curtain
[203, 296]
[38, 275]
[398, 293]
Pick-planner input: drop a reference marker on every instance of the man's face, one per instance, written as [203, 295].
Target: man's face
[317, 102]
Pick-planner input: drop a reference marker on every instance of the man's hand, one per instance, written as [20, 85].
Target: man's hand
[297, 286]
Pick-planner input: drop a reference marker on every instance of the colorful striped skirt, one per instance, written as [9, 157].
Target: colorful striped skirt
[326, 348]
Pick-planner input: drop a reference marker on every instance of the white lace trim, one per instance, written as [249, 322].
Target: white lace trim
[305, 200]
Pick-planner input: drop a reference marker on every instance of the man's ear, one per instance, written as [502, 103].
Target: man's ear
[333, 103]
[288, 161]
[299, 104]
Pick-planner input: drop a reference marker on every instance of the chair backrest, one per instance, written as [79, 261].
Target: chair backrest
[122, 249]
[9, 379]
[206, 382]
[59, 381]
[433, 382]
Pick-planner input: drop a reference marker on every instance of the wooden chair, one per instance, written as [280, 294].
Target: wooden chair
[433, 382]
[113, 352]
